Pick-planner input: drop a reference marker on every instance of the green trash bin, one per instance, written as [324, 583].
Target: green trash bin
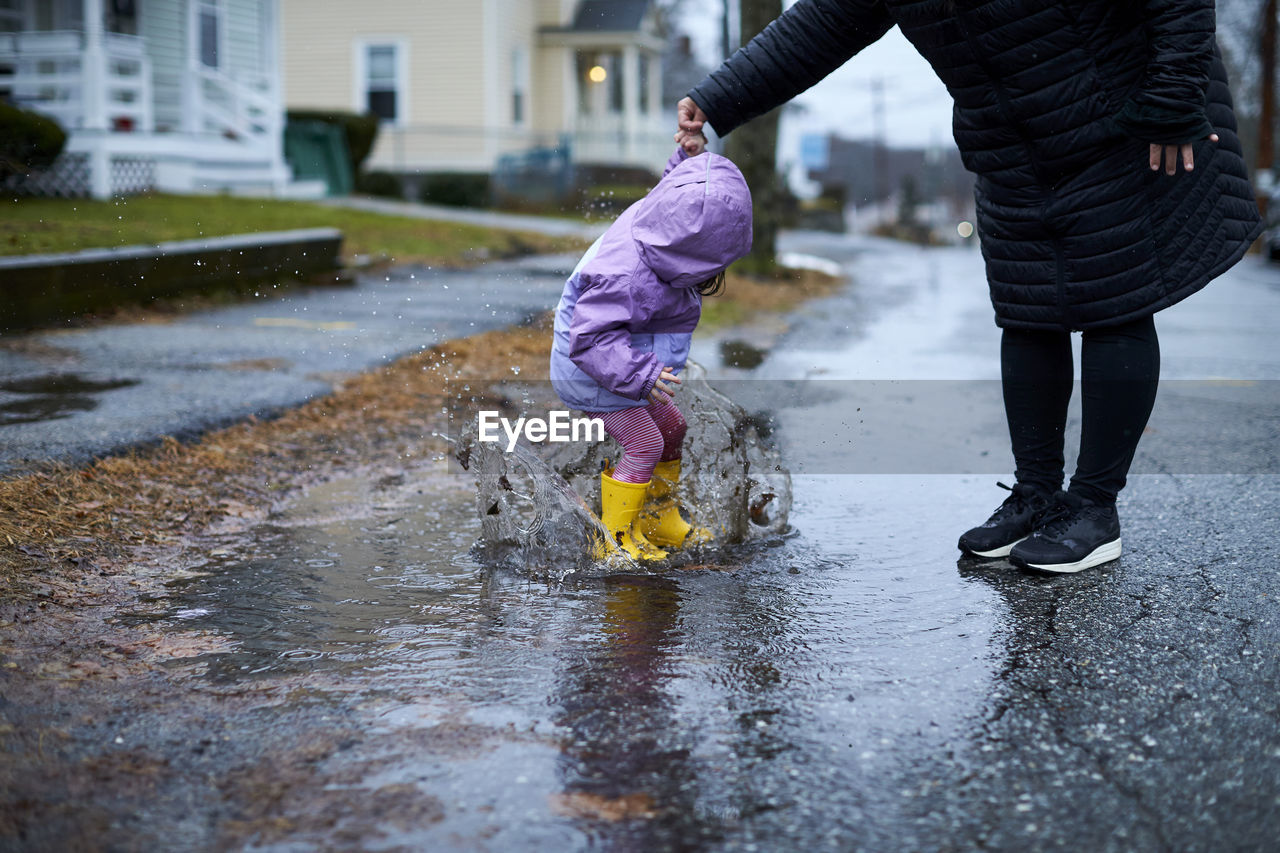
[318, 150]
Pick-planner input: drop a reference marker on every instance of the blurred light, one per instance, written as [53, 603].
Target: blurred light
[597, 74]
[965, 229]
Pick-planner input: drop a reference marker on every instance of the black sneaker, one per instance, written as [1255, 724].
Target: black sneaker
[1010, 524]
[1077, 535]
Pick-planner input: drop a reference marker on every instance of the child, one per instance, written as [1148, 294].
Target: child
[622, 332]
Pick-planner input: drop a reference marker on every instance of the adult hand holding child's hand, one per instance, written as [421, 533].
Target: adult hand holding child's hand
[690, 118]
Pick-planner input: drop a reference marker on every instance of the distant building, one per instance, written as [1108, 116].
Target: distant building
[864, 176]
[174, 95]
[459, 84]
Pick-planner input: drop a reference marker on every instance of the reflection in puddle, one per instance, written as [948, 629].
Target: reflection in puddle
[54, 396]
[693, 708]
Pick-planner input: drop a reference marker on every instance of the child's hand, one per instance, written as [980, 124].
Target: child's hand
[693, 144]
[662, 392]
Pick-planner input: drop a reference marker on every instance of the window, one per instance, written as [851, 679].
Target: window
[12, 19]
[643, 83]
[122, 16]
[383, 83]
[56, 15]
[519, 84]
[208, 36]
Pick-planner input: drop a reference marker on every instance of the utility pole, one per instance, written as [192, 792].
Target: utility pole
[727, 41]
[728, 44]
[880, 131]
[1266, 140]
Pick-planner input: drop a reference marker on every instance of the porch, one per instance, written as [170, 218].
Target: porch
[222, 131]
[613, 91]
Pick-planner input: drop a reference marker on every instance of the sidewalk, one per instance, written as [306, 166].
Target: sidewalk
[548, 225]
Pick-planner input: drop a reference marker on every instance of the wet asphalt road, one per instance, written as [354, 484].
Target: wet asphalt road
[1132, 707]
[853, 687]
[76, 394]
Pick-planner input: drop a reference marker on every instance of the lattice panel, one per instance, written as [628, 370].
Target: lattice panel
[131, 175]
[68, 177]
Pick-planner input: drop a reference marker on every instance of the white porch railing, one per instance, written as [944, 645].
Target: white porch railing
[610, 139]
[51, 72]
[447, 148]
[98, 86]
[242, 108]
[48, 72]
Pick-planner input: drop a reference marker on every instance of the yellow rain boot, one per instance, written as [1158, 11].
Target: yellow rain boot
[661, 522]
[619, 505]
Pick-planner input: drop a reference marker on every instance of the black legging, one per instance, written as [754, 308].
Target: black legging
[1120, 368]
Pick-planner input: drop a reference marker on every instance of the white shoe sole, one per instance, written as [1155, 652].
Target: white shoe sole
[997, 552]
[1104, 553]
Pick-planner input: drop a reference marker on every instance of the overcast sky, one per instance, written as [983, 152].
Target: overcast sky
[917, 106]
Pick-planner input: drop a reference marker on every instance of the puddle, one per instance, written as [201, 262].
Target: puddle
[536, 502]
[642, 711]
[740, 354]
[64, 383]
[53, 396]
[833, 688]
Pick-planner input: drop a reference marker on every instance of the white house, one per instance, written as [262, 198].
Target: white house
[174, 95]
[458, 83]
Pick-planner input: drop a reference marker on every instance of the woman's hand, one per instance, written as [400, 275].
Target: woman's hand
[1167, 155]
[690, 118]
[662, 391]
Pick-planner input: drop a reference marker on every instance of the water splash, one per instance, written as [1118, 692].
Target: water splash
[537, 502]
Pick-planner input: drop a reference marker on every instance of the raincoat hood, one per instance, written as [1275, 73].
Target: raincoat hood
[695, 222]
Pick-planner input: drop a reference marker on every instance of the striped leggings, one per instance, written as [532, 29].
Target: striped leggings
[648, 435]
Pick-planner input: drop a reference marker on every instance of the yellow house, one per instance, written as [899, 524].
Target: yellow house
[458, 83]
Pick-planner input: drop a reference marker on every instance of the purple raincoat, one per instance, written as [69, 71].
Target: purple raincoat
[630, 306]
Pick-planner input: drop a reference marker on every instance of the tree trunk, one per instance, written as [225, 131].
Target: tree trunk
[1266, 139]
[754, 148]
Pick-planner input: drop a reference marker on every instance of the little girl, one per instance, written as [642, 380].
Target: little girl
[622, 332]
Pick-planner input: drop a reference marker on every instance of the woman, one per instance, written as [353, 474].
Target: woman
[1110, 185]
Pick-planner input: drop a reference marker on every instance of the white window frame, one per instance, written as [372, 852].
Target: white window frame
[193, 32]
[520, 75]
[360, 92]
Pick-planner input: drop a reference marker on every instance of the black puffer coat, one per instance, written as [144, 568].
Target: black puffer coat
[1056, 102]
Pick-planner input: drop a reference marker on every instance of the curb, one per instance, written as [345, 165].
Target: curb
[37, 289]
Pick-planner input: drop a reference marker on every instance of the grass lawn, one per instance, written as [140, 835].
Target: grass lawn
[30, 225]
